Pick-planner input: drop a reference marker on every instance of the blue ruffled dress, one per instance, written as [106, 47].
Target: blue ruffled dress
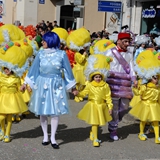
[49, 77]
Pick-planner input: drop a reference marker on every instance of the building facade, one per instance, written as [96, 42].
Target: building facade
[140, 15]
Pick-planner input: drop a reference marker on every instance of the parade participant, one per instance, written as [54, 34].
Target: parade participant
[98, 109]
[48, 87]
[141, 41]
[121, 77]
[13, 63]
[157, 42]
[27, 48]
[78, 41]
[148, 108]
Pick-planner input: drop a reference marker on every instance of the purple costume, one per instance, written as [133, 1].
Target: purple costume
[120, 80]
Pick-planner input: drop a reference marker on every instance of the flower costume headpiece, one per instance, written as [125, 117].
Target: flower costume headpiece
[157, 41]
[62, 33]
[147, 65]
[142, 39]
[97, 64]
[114, 37]
[79, 39]
[102, 46]
[9, 32]
[15, 54]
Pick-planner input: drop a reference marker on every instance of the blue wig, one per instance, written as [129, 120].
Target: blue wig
[52, 40]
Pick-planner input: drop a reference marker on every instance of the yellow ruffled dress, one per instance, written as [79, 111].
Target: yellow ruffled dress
[148, 109]
[136, 98]
[11, 101]
[78, 69]
[96, 111]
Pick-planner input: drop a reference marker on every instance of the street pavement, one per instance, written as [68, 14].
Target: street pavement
[73, 138]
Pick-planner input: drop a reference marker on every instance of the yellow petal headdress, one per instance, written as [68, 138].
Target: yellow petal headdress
[79, 39]
[97, 64]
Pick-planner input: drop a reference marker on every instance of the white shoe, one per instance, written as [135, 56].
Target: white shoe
[113, 136]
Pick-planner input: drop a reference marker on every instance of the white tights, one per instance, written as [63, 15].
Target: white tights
[44, 125]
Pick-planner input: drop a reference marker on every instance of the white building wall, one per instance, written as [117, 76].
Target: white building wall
[20, 5]
[137, 14]
[127, 16]
[30, 12]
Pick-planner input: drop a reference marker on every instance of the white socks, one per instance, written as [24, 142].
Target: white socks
[44, 125]
[54, 125]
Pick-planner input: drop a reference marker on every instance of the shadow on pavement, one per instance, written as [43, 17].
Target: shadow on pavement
[78, 134]
[122, 132]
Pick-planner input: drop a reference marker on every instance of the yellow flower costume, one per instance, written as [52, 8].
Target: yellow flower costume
[96, 110]
[136, 98]
[14, 61]
[11, 101]
[78, 41]
[148, 108]
[78, 69]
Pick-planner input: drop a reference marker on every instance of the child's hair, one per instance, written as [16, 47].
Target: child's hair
[95, 75]
[150, 80]
[8, 69]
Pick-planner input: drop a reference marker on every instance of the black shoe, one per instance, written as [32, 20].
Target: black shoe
[45, 143]
[55, 146]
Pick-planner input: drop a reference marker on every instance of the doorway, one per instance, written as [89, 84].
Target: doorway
[67, 18]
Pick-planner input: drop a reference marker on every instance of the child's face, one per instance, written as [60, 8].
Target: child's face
[97, 78]
[155, 79]
[7, 71]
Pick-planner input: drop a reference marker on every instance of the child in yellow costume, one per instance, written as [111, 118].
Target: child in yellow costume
[13, 63]
[148, 108]
[98, 109]
[78, 41]
[25, 44]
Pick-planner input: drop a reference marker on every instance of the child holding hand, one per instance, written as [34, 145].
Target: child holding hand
[147, 109]
[98, 109]
[11, 101]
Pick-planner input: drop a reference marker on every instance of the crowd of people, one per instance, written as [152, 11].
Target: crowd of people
[98, 65]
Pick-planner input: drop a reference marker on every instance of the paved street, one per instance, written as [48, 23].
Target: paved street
[73, 138]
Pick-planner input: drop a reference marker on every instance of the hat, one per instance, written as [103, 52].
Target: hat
[14, 58]
[79, 39]
[124, 35]
[101, 46]
[113, 37]
[91, 50]
[9, 32]
[147, 64]
[97, 64]
[62, 33]
[142, 39]
[157, 41]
